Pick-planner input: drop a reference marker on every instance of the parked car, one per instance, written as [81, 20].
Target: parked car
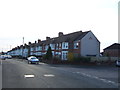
[2, 57]
[118, 63]
[8, 56]
[33, 59]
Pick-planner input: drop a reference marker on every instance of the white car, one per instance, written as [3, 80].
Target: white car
[118, 63]
[33, 59]
[8, 56]
[2, 57]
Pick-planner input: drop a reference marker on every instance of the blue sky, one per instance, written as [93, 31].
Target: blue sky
[36, 19]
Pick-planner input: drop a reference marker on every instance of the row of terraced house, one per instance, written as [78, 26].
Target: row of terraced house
[79, 43]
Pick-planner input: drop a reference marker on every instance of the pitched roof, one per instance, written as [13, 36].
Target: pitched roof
[64, 38]
[82, 35]
[113, 46]
[69, 37]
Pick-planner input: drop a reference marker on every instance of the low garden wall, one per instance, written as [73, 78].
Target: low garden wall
[104, 59]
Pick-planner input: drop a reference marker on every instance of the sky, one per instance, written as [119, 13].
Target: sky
[36, 19]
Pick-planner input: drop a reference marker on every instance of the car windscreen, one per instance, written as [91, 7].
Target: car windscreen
[33, 58]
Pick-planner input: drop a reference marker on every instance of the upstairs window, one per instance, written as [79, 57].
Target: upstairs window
[32, 49]
[52, 46]
[46, 47]
[76, 45]
[39, 48]
[65, 45]
[57, 46]
[60, 45]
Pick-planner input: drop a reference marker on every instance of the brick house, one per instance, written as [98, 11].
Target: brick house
[79, 43]
[112, 50]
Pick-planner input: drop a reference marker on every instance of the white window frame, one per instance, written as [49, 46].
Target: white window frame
[76, 45]
[64, 55]
[52, 46]
[46, 47]
[65, 45]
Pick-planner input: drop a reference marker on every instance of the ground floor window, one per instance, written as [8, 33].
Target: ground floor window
[64, 55]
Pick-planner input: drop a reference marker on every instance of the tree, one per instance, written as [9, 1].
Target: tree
[49, 53]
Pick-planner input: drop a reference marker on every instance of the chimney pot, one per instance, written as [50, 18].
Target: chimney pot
[29, 43]
[47, 38]
[60, 34]
[39, 40]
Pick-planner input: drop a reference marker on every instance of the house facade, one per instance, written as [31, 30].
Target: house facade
[112, 50]
[79, 43]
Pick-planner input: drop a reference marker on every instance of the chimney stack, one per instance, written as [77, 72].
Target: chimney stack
[29, 43]
[60, 34]
[39, 40]
[47, 38]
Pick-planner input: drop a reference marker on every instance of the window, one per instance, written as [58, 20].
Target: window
[64, 55]
[53, 53]
[40, 47]
[76, 45]
[65, 45]
[32, 49]
[56, 53]
[46, 47]
[60, 45]
[37, 48]
[57, 46]
[52, 46]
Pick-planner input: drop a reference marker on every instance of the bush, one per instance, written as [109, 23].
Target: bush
[56, 60]
[70, 56]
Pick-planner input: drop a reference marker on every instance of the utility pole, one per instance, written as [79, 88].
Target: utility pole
[23, 41]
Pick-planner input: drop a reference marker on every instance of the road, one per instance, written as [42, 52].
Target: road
[20, 74]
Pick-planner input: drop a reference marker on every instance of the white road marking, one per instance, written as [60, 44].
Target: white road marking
[88, 75]
[77, 72]
[111, 82]
[29, 76]
[96, 77]
[49, 75]
[83, 74]
[104, 80]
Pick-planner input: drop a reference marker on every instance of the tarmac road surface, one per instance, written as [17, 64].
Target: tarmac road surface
[20, 74]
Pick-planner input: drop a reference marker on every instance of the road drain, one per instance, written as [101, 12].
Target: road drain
[49, 75]
[29, 76]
